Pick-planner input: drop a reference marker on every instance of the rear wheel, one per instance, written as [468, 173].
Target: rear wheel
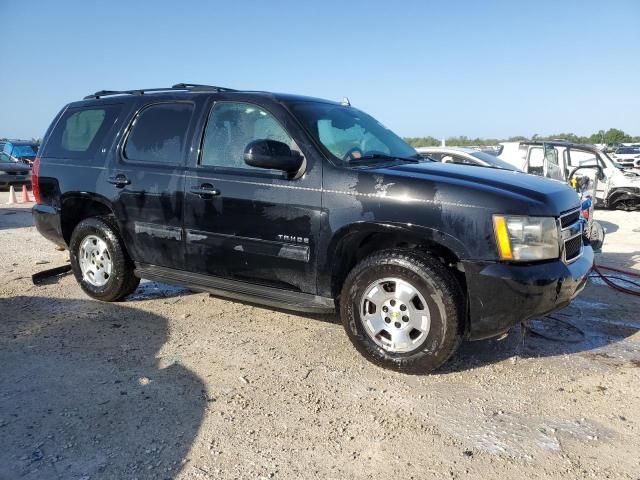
[99, 261]
[402, 309]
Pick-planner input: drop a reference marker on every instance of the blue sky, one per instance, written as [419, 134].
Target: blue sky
[489, 69]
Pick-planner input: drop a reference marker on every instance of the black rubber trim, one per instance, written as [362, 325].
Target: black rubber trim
[250, 292]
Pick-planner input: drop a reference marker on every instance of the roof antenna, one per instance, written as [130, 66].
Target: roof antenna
[345, 101]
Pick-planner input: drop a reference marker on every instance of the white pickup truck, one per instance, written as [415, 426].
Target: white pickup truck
[616, 186]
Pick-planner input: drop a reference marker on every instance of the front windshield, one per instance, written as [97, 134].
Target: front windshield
[493, 160]
[350, 136]
[5, 158]
[21, 151]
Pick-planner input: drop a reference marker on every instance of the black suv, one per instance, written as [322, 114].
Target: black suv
[304, 204]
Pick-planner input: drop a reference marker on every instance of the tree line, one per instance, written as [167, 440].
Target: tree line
[613, 136]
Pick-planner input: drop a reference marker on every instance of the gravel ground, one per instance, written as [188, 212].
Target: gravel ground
[174, 384]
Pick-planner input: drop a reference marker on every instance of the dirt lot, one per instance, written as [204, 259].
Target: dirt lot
[178, 384]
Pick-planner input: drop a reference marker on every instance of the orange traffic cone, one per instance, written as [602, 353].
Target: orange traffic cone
[25, 195]
[12, 196]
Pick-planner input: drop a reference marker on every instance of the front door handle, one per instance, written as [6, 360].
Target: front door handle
[119, 180]
[205, 190]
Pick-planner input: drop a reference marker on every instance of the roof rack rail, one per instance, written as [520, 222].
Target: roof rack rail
[196, 87]
[191, 87]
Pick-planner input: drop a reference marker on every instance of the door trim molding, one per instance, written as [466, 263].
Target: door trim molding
[250, 245]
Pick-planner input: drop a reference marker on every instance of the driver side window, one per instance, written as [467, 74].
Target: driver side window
[231, 127]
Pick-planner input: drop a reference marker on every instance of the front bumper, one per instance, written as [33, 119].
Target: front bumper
[47, 221]
[504, 294]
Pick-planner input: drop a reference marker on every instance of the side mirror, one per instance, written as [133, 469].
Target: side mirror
[273, 155]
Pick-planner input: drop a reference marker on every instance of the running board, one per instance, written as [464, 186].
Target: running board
[248, 292]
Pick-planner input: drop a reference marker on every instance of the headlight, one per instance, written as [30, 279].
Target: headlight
[526, 238]
[2, 172]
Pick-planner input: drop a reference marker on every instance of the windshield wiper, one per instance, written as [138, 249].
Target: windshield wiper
[377, 156]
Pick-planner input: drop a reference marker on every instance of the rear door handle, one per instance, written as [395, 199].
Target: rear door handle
[119, 180]
[205, 190]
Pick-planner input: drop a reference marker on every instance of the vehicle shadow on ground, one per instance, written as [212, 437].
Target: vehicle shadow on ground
[608, 226]
[625, 261]
[15, 218]
[83, 394]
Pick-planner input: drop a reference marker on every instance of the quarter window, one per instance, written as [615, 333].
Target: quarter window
[231, 127]
[80, 131]
[159, 133]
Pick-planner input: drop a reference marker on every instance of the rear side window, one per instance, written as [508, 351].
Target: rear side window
[80, 132]
[159, 133]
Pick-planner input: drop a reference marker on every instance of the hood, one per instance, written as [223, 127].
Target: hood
[549, 196]
[627, 177]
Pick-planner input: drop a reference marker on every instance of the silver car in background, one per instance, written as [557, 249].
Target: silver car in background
[465, 156]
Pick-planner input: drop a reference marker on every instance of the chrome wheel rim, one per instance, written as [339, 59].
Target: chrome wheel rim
[95, 261]
[395, 315]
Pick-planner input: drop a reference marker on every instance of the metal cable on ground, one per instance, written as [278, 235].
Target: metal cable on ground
[557, 330]
[606, 279]
[620, 279]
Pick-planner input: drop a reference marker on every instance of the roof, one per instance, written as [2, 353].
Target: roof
[188, 88]
[563, 143]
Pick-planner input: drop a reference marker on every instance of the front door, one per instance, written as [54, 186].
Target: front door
[247, 223]
[147, 178]
[551, 167]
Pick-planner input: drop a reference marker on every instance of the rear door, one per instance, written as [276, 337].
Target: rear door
[247, 223]
[147, 181]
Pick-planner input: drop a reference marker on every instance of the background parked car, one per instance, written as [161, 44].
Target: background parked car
[466, 156]
[21, 150]
[627, 155]
[13, 173]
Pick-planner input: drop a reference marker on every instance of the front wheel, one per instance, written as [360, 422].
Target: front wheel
[402, 309]
[99, 261]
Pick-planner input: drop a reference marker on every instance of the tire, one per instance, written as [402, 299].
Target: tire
[434, 285]
[596, 237]
[120, 281]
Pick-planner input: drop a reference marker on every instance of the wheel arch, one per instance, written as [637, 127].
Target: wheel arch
[76, 206]
[354, 242]
[623, 194]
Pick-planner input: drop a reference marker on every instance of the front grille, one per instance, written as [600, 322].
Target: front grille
[573, 248]
[569, 218]
[17, 173]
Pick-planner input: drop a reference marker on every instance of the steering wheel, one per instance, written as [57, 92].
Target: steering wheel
[349, 155]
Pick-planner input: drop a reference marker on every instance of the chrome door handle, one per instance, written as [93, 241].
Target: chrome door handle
[205, 190]
[119, 180]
